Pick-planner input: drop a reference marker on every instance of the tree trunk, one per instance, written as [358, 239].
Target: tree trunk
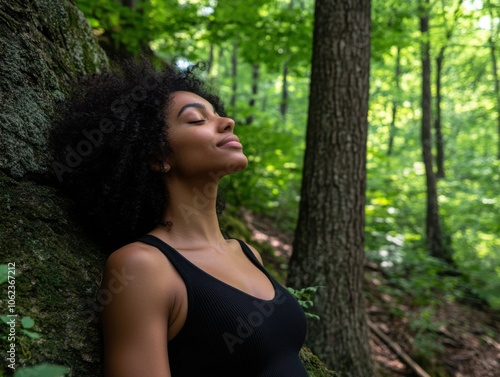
[284, 92]
[234, 75]
[440, 173]
[493, 53]
[395, 102]
[44, 44]
[433, 224]
[437, 122]
[210, 61]
[329, 239]
[129, 3]
[497, 90]
[253, 95]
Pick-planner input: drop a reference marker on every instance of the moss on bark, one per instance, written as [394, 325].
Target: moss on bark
[58, 275]
[43, 44]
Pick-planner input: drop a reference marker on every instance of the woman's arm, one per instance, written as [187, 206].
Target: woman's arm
[137, 299]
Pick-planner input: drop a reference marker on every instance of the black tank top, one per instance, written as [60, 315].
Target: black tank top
[229, 333]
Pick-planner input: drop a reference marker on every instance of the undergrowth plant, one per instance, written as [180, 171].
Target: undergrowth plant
[21, 338]
[304, 297]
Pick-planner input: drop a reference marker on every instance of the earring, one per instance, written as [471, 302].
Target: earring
[166, 168]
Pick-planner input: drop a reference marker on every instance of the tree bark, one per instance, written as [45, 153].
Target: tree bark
[210, 61]
[497, 89]
[395, 102]
[284, 92]
[434, 237]
[493, 53]
[437, 122]
[255, 91]
[329, 238]
[234, 75]
[44, 45]
[440, 173]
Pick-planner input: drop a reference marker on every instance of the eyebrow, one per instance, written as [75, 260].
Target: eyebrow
[197, 105]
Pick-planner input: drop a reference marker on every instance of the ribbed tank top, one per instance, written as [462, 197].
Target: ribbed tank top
[229, 333]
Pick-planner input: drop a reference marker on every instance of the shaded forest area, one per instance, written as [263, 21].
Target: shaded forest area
[432, 213]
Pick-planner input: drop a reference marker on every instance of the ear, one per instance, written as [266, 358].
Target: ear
[160, 167]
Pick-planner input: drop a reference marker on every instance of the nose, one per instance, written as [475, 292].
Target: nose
[226, 124]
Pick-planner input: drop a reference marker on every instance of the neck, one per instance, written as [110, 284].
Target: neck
[191, 211]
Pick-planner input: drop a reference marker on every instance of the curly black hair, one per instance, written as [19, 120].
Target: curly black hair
[111, 130]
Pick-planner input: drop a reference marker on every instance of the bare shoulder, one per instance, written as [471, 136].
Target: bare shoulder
[142, 287]
[136, 256]
[143, 269]
[255, 252]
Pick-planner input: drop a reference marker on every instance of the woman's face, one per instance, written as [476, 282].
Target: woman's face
[203, 142]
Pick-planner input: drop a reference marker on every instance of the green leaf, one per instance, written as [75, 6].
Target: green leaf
[31, 334]
[4, 319]
[27, 322]
[3, 273]
[42, 370]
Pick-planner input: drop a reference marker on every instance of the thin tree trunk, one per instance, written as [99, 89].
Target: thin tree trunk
[255, 90]
[395, 102]
[284, 92]
[433, 224]
[497, 89]
[234, 75]
[210, 61]
[440, 159]
[437, 122]
[328, 249]
[129, 3]
[493, 53]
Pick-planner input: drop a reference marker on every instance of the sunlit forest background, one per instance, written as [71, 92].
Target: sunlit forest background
[259, 53]
[431, 308]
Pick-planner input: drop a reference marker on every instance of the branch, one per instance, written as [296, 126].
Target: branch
[398, 351]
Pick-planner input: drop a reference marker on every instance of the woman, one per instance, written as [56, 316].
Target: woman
[142, 153]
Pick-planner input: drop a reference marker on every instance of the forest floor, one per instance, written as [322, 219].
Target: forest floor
[447, 339]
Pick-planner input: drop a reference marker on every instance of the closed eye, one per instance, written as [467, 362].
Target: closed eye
[199, 121]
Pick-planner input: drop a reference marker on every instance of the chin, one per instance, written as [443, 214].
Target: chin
[237, 165]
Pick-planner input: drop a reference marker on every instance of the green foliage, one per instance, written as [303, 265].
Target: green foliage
[42, 370]
[3, 273]
[304, 297]
[425, 339]
[274, 33]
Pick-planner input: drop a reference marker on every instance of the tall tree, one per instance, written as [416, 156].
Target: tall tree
[254, 93]
[434, 237]
[329, 239]
[492, 40]
[449, 27]
[234, 75]
[395, 101]
[284, 91]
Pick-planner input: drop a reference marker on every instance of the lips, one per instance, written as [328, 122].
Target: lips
[230, 140]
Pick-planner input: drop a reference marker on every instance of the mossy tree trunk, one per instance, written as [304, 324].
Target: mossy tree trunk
[43, 46]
